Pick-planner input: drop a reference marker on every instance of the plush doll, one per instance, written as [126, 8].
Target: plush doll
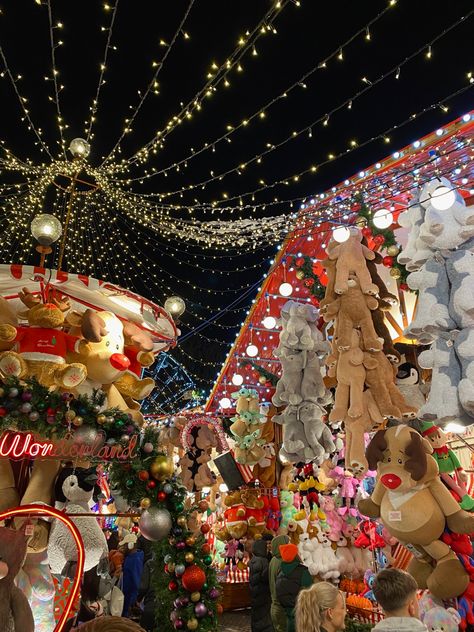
[355, 429]
[288, 389]
[436, 617]
[443, 401]
[348, 490]
[254, 514]
[383, 332]
[369, 538]
[464, 348]
[229, 551]
[350, 258]
[328, 560]
[288, 509]
[42, 345]
[432, 315]
[248, 449]
[460, 271]
[265, 469]
[312, 384]
[74, 489]
[350, 372]
[353, 311]
[296, 333]
[195, 473]
[412, 257]
[347, 565]
[15, 611]
[139, 350]
[234, 517]
[408, 383]
[275, 515]
[294, 447]
[318, 436]
[416, 507]
[334, 520]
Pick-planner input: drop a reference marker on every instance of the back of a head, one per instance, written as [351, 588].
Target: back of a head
[311, 604]
[393, 589]
[109, 624]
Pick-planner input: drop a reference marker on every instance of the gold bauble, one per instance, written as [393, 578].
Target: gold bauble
[361, 222]
[189, 557]
[191, 541]
[262, 379]
[101, 419]
[181, 520]
[395, 273]
[393, 250]
[145, 503]
[161, 468]
[192, 623]
[300, 275]
[195, 596]
[78, 421]
[70, 414]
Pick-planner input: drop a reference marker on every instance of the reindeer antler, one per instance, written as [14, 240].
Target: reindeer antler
[28, 298]
[62, 303]
[141, 338]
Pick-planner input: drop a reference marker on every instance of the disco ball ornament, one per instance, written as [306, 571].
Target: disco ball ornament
[155, 524]
[193, 578]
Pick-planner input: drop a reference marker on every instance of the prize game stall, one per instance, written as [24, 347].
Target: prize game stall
[357, 347]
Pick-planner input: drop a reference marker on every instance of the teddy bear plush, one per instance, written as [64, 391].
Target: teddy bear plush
[412, 256]
[318, 435]
[42, 345]
[464, 349]
[436, 617]
[351, 375]
[254, 512]
[355, 429]
[287, 507]
[351, 257]
[460, 271]
[139, 350]
[383, 332]
[195, 473]
[15, 611]
[234, 517]
[415, 507]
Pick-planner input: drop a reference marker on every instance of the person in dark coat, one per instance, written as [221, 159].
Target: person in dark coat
[147, 593]
[259, 588]
[292, 577]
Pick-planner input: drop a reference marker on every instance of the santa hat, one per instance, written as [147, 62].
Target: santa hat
[288, 552]
[428, 427]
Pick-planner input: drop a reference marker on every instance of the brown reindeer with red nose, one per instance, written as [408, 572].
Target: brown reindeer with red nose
[416, 507]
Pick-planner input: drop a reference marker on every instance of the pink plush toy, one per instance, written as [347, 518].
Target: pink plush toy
[333, 519]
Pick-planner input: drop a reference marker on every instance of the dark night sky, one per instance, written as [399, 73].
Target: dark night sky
[305, 36]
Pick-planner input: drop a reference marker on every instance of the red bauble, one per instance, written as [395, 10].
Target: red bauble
[173, 585]
[205, 549]
[299, 262]
[205, 528]
[151, 485]
[367, 231]
[51, 412]
[379, 240]
[193, 578]
[203, 505]
[143, 475]
[309, 282]
[3, 412]
[387, 261]
[167, 571]
[161, 496]
[404, 287]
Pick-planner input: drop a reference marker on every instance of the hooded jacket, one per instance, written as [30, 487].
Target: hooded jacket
[259, 590]
[293, 576]
[275, 563]
[400, 624]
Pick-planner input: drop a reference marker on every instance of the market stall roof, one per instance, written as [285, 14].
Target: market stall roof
[389, 185]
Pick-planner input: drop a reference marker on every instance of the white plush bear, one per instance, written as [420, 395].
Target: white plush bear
[288, 389]
[464, 347]
[460, 269]
[432, 313]
[329, 562]
[443, 401]
[412, 219]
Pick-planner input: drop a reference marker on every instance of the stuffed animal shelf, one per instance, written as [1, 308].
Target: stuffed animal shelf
[195, 472]
[247, 427]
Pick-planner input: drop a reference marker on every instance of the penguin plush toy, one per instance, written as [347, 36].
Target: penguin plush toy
[74, 489]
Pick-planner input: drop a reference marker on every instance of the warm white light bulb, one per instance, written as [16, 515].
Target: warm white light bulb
[452, 426]
[237, 379]
[223, 488]
[225, 403]
[341, 234]
[252, 351]
[269, 322]
[286, 289]
[382, 218]
[442, 198]
[79, 148]
[175, 306]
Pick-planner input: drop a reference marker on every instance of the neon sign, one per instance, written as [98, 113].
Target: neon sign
[21, 445]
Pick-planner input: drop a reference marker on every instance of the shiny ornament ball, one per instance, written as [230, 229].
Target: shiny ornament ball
[34, 416]
[191, 541]
[184, 601]
[387, 261]
[203, 505]
[262, 379]
[207, 560]
[148, 447]
[173, 585]
[193, 578]
[177, 603]
[214, 593]
[25, 396]
[26, 407]
[180, 545]
[143, 475]
[205, 528]
[181, 520]
[178, 624]
[70, 414]
[161, 468]
[205, 586]
[404, 287]
[145, 503]
[192, 624]
[195, 596]
[130, 483]
[177, 531]
[395, 273]
[168, 558]
[13, 392]
[151, 484]
[101, 419]
[171, 567]
[179, 506]
[51, 420]
[393, 250]
[125, 438]
[179, 569]
[205, 549]
[200, 610]
[379, 240]
[78, 421]
[299, 275]
[155, 523]
[219, 608]
[367, 232]
[168, 488]
[88, 435]
[299, 261]
[361, 222]
[161, 496]
[309, 282]
[189, 557]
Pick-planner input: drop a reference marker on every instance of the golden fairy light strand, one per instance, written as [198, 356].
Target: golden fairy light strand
[55, 73]
[152, 84]
[103, 67]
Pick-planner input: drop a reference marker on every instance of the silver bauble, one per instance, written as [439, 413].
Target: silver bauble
[155, 524]
[88, 435]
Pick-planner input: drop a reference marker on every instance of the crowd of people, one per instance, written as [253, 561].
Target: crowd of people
[285, 598]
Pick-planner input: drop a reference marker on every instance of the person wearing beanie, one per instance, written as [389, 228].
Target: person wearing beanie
[259, 590]
[277, 611]
[292, 577]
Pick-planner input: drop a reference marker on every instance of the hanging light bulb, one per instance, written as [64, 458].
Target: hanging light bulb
[46, 229]
[341, 234]
[225, 403]
[442, 198]
[251, 350]
[382, 218]
[237, 379]
[269, 322]
[223, 488]
[452, 426]
[175, 306]
[286, 289]
[79, 148]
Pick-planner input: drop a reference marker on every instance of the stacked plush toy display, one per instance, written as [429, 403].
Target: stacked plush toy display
[247, 427]
[301, 389]
[362, 359]
[439, 253]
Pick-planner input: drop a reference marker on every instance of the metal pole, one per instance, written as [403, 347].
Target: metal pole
[62, 247]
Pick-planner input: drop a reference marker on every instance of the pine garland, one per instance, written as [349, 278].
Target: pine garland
[262, 371]
[305, 273]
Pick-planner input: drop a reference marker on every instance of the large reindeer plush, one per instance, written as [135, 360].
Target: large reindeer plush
[416, 508]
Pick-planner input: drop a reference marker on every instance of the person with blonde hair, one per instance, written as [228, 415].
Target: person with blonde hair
[320, 608]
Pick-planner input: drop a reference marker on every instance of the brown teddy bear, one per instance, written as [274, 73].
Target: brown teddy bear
[355, 428]
[254, 512]
[416, 508]
[383, 332]
[42, 345]
[265, 469]
[352, 310]
[386, 298]
[351, 257]
[195, 473]
[350, 372]
[15, 611]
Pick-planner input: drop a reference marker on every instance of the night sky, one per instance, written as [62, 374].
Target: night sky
[305, 36]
